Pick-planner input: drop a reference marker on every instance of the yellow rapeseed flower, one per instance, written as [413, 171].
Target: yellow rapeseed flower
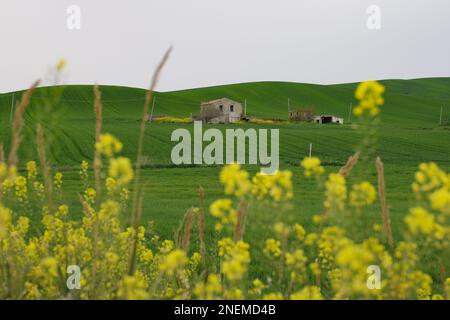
[312, 167]
[307, 293]
[5, 220]
[235, 180]
[299, 231]
[121, 170]
[420, 221]
[108, 145]
[173, 261]
[272, 247]
[336, 192]
[31, 170]
[132, 288]
[362, 194]
[370, 96]
[222, 209]
[57, 180]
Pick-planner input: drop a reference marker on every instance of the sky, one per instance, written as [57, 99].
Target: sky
[223, 41]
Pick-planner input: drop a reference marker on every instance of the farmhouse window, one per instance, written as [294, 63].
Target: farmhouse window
[231, 108]
[221, 108]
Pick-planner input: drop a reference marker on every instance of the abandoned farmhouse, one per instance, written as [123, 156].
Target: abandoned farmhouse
[225, 110]
[222, 110]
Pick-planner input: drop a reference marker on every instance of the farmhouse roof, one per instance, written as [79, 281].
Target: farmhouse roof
[217, 100]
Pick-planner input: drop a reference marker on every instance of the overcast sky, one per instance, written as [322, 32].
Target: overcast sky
[223, 41]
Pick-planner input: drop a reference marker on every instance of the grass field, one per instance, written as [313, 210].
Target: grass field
[409, 134]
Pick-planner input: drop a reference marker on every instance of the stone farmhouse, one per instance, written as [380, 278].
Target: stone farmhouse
[222, 110]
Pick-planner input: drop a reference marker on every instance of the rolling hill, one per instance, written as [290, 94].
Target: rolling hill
[409, 134]
[409, 118]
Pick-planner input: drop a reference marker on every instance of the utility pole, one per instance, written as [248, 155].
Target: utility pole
[350, 112]
[153, 107]
[440, 118]
[310, 150]
[12, 110]
[245, 107]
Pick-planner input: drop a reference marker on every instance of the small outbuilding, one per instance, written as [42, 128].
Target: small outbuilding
[322, 119]
[222, 110]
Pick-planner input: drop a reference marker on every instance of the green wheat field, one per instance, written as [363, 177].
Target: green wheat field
[410, 133]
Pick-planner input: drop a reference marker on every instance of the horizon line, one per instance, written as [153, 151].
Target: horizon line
[226, 84]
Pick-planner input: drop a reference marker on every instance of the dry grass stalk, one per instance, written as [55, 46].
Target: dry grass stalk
[84, 205]
[384, 207]
[45, 166]
[351, 162]
[136, 193]
[187, 230]
[98, 131]
[18, 124]
[2, 153]
[134, 247]
[201, 226]
[240, 225]
[148, 99]
[177, 236]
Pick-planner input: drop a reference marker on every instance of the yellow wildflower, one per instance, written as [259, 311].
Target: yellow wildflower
[5, 220]
[90, 194]
[362, 194]
[108, 145]
[166, 246]
[235, 180]
[21, 188]
[209, 290]
[31, 170]
[317, 219]
[336, 192]
[257, 286]
[273, 296]
[420, 221]
[370, 96]
[273, 247]
[173, 261]
[57, 180]
[299, 231]
[277, 186]
[307, 293]
[110, 184]
[223, 210]
[296, 260]
[235, 260]
[132, 288]
[84, 167]
[440, 200]
[121, 170]
[312, 167]
[430, 178]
